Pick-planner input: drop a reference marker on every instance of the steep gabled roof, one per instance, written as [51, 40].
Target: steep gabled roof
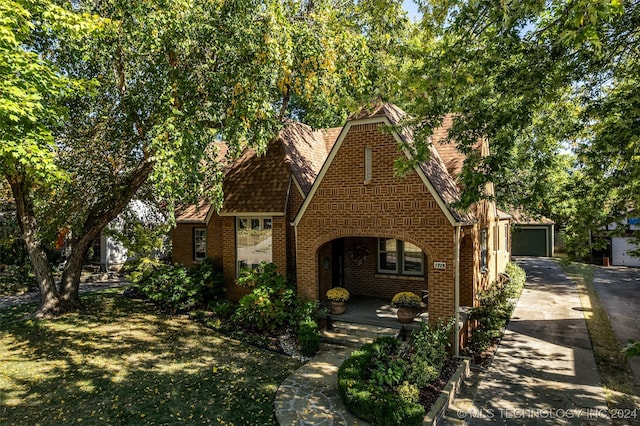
[306, 151]
[433, 172]
[434, 169]
[257, 183]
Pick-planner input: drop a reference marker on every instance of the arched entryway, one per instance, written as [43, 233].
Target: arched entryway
[375, 266]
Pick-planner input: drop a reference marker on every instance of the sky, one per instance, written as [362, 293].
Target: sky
[411, 8]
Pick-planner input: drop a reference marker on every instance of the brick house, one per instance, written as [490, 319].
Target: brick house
[327, 208]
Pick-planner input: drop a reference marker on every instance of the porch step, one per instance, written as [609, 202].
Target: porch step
[355, 335]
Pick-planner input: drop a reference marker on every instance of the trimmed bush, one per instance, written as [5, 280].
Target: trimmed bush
[372, 399]
[309, 337]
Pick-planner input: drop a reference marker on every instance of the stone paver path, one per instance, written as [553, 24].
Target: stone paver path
[310, 395]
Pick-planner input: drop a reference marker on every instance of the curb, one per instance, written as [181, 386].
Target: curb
[438, 409]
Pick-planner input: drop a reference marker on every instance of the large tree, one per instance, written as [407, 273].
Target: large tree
[513, 72]
[165, 79]
[537, 79]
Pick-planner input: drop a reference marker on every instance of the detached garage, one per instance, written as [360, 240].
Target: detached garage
[620, 247]
[531, 237]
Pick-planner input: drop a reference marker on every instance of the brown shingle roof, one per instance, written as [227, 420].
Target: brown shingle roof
[257, 184]
[306, 151]
[521, 217]
[195, 213]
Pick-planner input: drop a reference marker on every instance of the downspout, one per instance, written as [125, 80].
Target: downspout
[456, 291]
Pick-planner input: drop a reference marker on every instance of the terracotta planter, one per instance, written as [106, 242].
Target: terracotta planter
[337, 308]
[406, 315]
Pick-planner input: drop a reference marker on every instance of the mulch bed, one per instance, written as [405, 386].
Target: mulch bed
[429, 394]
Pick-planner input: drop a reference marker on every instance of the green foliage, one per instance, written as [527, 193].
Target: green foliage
[388, 372]
[179, 288]
[222, 308]
[429, 351]
[495, 307]
[309, 337]
[409, 392]
[631, 349]
[12, 248]
[552, 86]
[369, 398]
[271, 301]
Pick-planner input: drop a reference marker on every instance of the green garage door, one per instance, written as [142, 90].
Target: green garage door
[529, 242]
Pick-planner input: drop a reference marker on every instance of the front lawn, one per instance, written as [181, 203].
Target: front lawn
[119, 361]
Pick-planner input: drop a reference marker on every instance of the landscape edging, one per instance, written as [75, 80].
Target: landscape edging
[448, 394]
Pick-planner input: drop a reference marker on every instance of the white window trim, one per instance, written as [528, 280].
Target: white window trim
[195, 236]
[261, 219]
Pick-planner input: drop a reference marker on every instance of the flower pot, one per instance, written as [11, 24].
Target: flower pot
[337, 308]
[406, 315]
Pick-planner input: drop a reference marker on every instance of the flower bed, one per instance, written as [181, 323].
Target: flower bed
[390, 383]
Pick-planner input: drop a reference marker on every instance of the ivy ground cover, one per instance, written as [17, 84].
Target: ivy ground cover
[120, 361]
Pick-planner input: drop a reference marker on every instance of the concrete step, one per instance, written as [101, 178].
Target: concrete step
[341, 339]
[356, 335]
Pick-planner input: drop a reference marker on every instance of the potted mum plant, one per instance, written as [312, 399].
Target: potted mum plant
[337, 297]
[407, 304]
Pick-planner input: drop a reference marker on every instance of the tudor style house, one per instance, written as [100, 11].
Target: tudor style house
[327, 207]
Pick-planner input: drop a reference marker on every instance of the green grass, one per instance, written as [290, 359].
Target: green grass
[119, 361]
[617, 378]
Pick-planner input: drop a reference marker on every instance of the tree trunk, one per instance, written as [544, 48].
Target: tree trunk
[96, 221]
[49, 298]
[70, 282]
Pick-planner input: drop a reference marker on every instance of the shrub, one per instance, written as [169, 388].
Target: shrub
[271, 302]
[179, 288]
[366, 398]
[309, 337]
[428, 352]
[409, 392]
[495, 307]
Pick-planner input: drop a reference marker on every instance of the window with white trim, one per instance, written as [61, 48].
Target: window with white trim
[199, 243]
[399, 257]
[253, 241]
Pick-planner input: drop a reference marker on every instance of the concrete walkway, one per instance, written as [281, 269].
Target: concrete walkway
[310, 395]
[544, 371]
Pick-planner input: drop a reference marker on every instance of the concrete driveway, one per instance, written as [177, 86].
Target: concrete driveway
[544, 371]
[619, 291]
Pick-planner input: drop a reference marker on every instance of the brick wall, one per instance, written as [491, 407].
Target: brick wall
[182, 241]
[361, 278]
[388, 206]
[293, 205]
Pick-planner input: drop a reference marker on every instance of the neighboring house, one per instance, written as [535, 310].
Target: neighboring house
[328, 209]
[622, 243]
[532, 236]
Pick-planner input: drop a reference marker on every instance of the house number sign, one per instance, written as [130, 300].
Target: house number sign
[439, 265]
